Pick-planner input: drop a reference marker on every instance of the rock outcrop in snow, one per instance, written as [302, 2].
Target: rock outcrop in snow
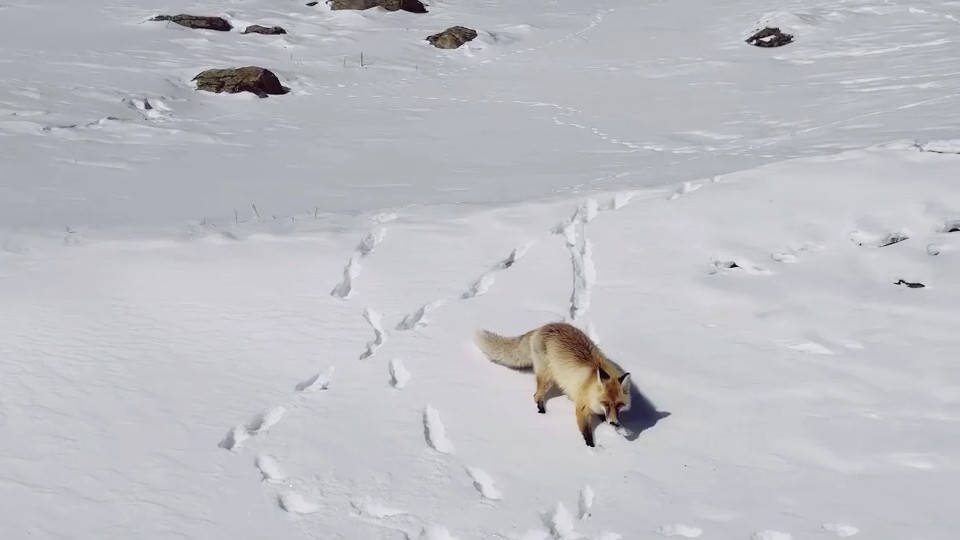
[255, 80]
[268, 30]
[413, 6]
[770, 37]
[201, 22]
[452, 37]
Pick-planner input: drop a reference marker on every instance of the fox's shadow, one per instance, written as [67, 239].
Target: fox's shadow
[642, 414]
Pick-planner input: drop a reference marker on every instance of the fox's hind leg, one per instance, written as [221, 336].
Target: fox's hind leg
[544, 384]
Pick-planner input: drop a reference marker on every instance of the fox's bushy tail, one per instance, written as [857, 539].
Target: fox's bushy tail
[512, 352]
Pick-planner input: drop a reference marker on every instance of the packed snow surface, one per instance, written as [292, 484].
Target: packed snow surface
[768, 240]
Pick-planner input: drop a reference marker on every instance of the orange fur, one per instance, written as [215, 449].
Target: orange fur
[562, 355]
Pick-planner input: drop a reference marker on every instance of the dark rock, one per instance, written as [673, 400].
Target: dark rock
[452, 37]
[770, 37]
[311, 4]
[916, 285]
[353, 4]
[197, 21]
[256, 80]
[413, 6]
[269, 30]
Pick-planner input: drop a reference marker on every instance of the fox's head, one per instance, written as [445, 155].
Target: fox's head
[614, 395]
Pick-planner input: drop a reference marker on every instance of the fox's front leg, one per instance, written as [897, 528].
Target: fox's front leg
[583, 423]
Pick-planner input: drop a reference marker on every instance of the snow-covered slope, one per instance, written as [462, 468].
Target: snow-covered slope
[226, 317]
[214, 388]
[553, 95]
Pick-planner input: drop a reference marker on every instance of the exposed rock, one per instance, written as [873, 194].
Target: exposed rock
[770, 37]
[452, 37]
[912, 285]
[197, 21]
[256, 80]
[413, 6]
[269, 30]
[311, 4]
[353, 4]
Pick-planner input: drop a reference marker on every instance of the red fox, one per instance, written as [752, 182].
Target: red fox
[561, 354]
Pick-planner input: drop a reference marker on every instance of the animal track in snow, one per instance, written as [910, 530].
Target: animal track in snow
[235, 438]
[384, 217]
[725, 265]
[265, 420]
[792, 254]
[685, 187]
[352, 269]
[771, 535]
[399, 376]
[376, 509]
[878, 240]
[515, 255]
[945, 146]
[586, 501]
[295, 503]
[840, 529]
[589, 210]
[269, 468]
[568, 231]
[584, 277]
[620, 200]
[484, 484]
[350, 272]
[485, 281]
[679, 529]
[418, 318]
[951, 226]
[369, 242]
[585, 213]
[149, 109]
[480, 286]
[320, 381]
[238, 435]
[561, 524]
[374, 319]
[436, 432]
[810, 347]
[784, 257]
[581, 256]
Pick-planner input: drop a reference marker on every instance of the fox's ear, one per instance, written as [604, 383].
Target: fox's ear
[624, 380]
[602, 375]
